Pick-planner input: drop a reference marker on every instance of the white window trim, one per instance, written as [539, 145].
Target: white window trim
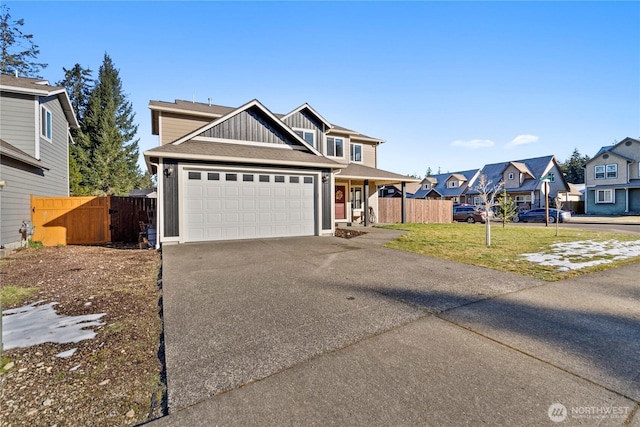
[310, 131]
[595, 171]
[353, 193]
[615, 165]
[453, 184]
[48, 113]
[510, 175]
[351, 147]
[344, 143]
[610, 191]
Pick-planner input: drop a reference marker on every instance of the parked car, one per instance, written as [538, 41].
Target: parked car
[468, 213]
[539, 214]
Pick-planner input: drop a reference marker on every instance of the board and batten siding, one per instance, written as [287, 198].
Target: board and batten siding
[368, 155]
[174, 126]
[21, 180]
[303, 120]
[19, 121]
[250, 125]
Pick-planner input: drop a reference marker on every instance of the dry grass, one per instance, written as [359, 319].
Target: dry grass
[466, 243]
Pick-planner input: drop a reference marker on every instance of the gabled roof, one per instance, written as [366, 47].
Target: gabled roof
[214, 111]
[609, 150]
[358, 171]
[307, 107]
[521, 167]
[443, 189]
[249, 105]
[39, 87]
[9, 150]
[536, 167]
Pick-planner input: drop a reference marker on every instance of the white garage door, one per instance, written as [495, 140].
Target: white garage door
[222, 205]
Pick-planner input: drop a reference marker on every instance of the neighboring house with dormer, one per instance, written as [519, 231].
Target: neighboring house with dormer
[612, 179]
[448, 186]
[237, 173]
[35, 118]
[523, 181]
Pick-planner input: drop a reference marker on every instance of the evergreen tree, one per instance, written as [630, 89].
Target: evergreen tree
[79, 84]
[18, 52]
[573, 167]
[506, 208]
[428, 172]
[109, 125]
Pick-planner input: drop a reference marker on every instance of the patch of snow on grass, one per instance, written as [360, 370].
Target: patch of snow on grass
[586, 253]
[36, 324]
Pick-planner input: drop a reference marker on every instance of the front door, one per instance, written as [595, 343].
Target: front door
[341, 202]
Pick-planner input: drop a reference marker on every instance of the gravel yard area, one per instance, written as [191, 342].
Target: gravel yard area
[114, 378]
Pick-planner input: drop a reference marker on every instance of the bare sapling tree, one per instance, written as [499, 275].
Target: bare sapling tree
[487, 193]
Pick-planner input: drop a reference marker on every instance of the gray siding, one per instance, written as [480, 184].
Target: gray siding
[170, 200]
[606, 208]
[250, 125]
[18, 121]
[55, 154]
[327, 200]
[304, 120]
[634, 200]
[22, 180]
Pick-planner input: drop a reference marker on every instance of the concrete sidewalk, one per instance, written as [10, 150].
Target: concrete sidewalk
[334, 331]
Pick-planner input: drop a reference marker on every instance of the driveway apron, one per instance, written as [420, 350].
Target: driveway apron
[328, 330]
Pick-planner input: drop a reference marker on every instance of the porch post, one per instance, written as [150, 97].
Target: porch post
[366, 202]
[403, 209]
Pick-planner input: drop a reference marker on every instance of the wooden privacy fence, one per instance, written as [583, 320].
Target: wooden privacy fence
[89, 220]
[417, 211]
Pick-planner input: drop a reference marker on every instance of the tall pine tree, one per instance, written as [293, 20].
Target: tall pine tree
[79, 84]
[18, 52]
[573, 167]
[109, 124]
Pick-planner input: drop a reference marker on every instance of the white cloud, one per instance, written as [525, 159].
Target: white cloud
[474, 143]
[522, 140]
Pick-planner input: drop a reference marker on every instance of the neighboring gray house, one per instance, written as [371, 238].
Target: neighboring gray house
[612, 179]
[448, 186]
[523, 181]
[34, 149]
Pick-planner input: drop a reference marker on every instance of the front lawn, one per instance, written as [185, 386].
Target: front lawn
[466, 243]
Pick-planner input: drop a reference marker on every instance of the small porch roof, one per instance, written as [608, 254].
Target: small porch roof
[361, 172]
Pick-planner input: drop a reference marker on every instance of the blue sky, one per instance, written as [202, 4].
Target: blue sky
[448, 85]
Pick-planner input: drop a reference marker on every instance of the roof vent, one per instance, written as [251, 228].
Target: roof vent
[209, 102]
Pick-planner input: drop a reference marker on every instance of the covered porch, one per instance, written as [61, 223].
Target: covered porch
[356, 193]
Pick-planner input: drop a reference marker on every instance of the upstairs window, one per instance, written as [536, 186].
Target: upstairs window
[599, 172]
[356, 153]
[335, 147]
[612, 171]
[45, 123]
[552, 177]
[510, 175]
[307, 135]
[453, 184]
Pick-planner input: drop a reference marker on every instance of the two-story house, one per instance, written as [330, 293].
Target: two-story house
[236, 173]
[448, 186]
[612, 179]
[35, 118]
[530, 182]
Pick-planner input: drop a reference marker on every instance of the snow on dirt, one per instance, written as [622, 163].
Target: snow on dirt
[586, 253]
[38, 323]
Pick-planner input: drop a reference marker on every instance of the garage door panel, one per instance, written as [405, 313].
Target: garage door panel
[251, 206]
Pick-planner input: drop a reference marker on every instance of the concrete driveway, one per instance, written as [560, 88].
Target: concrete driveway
[323, 330]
